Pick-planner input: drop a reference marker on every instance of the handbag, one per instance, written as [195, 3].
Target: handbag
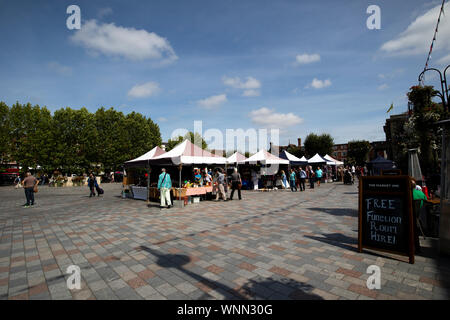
[35, 188]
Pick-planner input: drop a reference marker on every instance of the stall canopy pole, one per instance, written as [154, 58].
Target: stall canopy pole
[179, 186]
[148, 182]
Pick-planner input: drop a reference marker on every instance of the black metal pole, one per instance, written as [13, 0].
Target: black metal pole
[444, 89]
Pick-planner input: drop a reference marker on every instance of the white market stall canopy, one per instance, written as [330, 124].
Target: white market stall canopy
[335, 162]
[236, 158]
[145, 158]
[293, 159]
[318, 159]
[188, 153]
[265, 157]
[303, 159]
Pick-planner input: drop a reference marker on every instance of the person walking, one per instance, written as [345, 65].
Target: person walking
[236, 184]
[164, 186]
[17, 182]
[302, 174]
[283, 179]
[311, 177]
[318, 175]
[220, 186]
[92, 184]
[292, 180]
[29, 184]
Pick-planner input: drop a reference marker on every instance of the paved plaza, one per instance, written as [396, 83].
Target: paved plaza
[270, 245]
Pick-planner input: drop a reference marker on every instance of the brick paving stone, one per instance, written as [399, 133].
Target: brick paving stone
[122, 245]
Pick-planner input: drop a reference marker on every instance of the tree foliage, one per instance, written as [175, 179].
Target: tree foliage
[196, 139]
[420, 130]
[357, 152]
[73, 141]
[296, 151]
[321, 144]
[4, 133]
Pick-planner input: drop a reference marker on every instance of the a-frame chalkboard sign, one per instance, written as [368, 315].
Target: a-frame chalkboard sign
[385, 215]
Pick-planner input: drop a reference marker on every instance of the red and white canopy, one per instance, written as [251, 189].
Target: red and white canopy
[145, 158]
[236, 158]
[188, 153]
[265, 157]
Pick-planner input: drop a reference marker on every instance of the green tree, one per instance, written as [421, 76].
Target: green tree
[142, 135]
[321, 144]
[122, 138]
[30, 135]
[194, 138]
[420, 128]
[76, 140]
[357, 152]
[296, 151]
[114, 142]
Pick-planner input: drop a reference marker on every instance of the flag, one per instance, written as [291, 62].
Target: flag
[390, 108]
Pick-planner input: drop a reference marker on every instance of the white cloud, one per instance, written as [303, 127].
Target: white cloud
[212, 102]
[384, 86]
[144, 90]
[392, 74]
[103, 12]
[268, 118]
[417, 37]
[319, 84]
[130, 43]
[444, 60]
[250, 86]
[306, 58]
[251, 93]
[162, 119]
[59, 68]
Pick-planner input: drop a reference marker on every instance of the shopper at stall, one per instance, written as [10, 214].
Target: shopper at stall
[319, 175]
[292, 180]
[207, 179]
[302, 174]
[283, 179]
[255, 179]
[221, 186]
[29, 183]
[236, 183]
[164, 185]
[311, 177]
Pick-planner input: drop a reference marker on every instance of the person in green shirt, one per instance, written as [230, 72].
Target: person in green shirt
[418, 194]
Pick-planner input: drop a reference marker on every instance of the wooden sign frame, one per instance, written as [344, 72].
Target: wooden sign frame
[391, 172]
[406, 196]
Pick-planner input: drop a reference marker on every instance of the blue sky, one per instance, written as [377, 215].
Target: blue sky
[301, 66]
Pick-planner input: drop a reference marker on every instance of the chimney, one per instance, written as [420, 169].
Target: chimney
[299, 142]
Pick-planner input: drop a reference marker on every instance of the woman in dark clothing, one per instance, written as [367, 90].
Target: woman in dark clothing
[92, 184]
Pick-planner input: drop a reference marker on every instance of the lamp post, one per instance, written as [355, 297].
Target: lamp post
[444, 88]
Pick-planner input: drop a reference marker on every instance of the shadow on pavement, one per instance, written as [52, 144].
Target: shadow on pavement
[337, 239]
[259, 288]
[337, 211]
